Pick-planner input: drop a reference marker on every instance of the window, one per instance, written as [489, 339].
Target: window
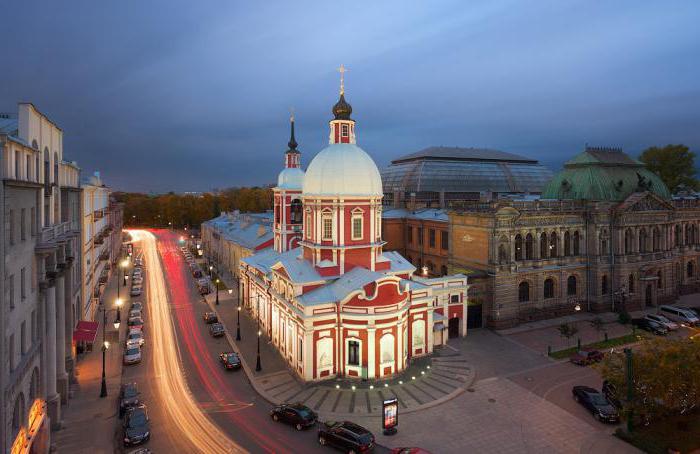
[630, 282]
[420, 236]
[604, 285]
[543, 246]
[345, 130]
[502, 254]
[409, 235]
[659, 282]
[353, 353]
[524, 292]
[12, 352]
[443, 270]
[528, 247]
[36, 169]
[548, 288]
[553, 245]
[690, 269]
[571, 286]
[677, 236]
[23, 284]
[23, 224]
[295, 208]
[642, 240]
[17, 166]
[444, 240]
[577, 243]
[27, 164]
[629, 239]
[431, 237]
[23, 337]
[518, 247]
[567, 243]
[11, 290]
[454, 299]
[327, 228]
[386, 349]
[357, 227]
[656, 241]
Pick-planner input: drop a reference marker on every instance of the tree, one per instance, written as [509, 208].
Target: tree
[666, 378]
[567, 331]
[675, 164]
[597, 324]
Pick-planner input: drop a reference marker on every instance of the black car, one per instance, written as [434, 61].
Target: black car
[345, 435]
[298, 415]
[596, 403]
[128, 397]
[216, 329]
[230, 360]
[610, 393]
[210, 317]
[652, 326]
[137, 428]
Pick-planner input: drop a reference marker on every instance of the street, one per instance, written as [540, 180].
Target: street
[194, 404]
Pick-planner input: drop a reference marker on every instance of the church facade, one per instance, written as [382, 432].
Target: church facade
[330, 298]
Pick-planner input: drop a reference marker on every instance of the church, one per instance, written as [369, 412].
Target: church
[328, 296]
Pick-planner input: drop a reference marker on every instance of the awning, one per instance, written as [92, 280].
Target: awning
[438, 326]
[85, 331]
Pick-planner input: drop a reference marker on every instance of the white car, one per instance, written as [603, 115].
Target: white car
[136, 306]
[671, 326]
[679, 314]
[135, 339]
[136, 290]
[132, 355]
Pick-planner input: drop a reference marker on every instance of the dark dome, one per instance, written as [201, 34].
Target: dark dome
[342, 109]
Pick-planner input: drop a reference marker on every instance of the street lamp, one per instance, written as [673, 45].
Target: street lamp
[105, 346]
[211, 270]
[119, 313]
[238, 324]
[217, 291]
[122, 268]
[258, 367]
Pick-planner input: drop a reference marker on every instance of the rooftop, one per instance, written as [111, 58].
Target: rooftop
[463, 154]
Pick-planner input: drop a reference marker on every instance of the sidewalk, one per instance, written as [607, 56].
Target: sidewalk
[438, 379]
[89, 422]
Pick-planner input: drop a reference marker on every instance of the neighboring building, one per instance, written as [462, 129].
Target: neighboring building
[437, 177]
[231, 237]
[605, 234]
[337, 304]
[40, 240]
[101, 241]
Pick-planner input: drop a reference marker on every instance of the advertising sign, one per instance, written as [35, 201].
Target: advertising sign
[390, 415]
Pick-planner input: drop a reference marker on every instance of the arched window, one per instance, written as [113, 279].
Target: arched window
[656, 239]
[630, 283]
[571, 286]
[604, 285]
[518, 247]
[567, 244]
[386, 348]
[577, 243]
[642, 240]
[296, 211]
[629, 238]
[34, 385]
[553, 245]
[659, 281]
[548, 288]
[691, 269]
[418, 334]
[503, 252]
[528, 247]
[543, 246]
[524, 292]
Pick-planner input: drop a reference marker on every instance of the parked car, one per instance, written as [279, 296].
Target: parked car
[132, 355]
[671, 326]
[596, 403]
[197, 273]
[135, 313]
[204, 290]
[586, 357]
[298, 415]
[136, 290]
[230, 360]
[136, 305]
[651, 326]
[345, 435]
[137, 428]
[135, 338]
[128, 397]
[679, 314]
[217, 329]
[694, 310]
[210, 317]
[137, 281]
[610, 393]
[135, 323]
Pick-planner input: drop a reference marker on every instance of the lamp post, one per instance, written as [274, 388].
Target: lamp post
[258, 366]
[217, 291]
[105, 346]
[211, 271]
[238, 323]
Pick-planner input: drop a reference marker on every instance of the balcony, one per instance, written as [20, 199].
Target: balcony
[49, 235]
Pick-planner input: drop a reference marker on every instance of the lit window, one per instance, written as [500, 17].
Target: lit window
[356, 227]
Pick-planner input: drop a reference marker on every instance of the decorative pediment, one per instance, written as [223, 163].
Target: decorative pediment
[645, 201]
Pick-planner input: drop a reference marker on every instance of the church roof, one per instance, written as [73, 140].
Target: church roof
[342, 169]
[603, 174]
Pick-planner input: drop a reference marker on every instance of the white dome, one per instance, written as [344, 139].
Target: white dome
[292, 178]
[343, 169]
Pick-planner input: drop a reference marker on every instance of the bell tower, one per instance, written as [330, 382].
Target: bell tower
[342, 126]
[287, 226]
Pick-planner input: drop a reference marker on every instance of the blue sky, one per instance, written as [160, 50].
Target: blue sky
[170, 95]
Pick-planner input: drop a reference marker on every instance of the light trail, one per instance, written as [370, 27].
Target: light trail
[179, 404]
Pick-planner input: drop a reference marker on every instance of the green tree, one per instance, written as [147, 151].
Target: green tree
[675, 164]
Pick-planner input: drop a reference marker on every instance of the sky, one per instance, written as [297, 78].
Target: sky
[190, 96]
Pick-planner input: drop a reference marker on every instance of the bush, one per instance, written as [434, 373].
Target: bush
[623, 317]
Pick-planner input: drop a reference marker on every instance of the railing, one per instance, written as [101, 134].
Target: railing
[50, 233]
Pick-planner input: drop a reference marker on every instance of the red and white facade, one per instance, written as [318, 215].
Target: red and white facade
[332, 301]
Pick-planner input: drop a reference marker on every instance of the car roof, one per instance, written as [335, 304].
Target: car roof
[587, 389]
[359, 430]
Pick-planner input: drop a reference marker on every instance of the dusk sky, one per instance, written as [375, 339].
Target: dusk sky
[190, 96]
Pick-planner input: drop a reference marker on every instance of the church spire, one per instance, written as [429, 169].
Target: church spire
[292, 141]
[342, 126]
[292, 155]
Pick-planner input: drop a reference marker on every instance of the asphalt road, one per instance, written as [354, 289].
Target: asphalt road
[194, 404]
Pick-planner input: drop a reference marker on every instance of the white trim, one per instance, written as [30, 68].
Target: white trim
[354, 218]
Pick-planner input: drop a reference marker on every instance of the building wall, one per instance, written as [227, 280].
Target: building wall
[403, 235]
[97, 246]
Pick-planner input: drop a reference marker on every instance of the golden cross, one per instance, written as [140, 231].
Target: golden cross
[342, 70]
[291, 113]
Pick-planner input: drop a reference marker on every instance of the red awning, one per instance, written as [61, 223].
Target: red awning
[85, 331]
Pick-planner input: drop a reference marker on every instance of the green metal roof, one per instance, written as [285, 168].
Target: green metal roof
[603, 174]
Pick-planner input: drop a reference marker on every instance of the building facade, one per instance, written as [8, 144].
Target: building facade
[40, 241]
[332, 301]
[605, 235]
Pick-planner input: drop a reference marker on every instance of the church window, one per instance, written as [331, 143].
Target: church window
[571, 286]
[327, 227]
[524, 292]
[353, 353]
[357, 227]
[548, 288]
[296, 211]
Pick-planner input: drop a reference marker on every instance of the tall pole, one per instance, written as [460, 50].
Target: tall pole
[103, 391]
[630, 389]
[217, 291]
[119, 266]
[238, 322]
[258, 367]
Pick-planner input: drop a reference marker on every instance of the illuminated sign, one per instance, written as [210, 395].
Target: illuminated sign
[390, 414]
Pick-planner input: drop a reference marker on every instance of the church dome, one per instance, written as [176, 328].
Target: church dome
[343, 169]
[342, 109]
[291, 178]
